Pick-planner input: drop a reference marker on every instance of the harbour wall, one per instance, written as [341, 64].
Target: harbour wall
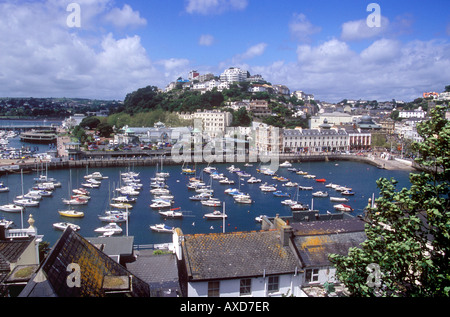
[98, 162]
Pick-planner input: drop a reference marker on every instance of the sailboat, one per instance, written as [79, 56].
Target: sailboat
[25, 202]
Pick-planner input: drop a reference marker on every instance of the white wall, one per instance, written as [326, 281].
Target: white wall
[288, 284]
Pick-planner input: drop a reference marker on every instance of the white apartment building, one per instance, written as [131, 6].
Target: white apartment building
[417, 113]
[233, 74]
[314, 140]
[333, 118]
[214, 122]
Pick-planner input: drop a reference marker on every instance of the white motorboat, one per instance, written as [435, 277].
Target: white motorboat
[113, 218]
[339, 199]
[32, 196]
[309, 176]
[11, 208]
[63, 226]
[200, 197]
[161, 204]
[267, 188]
[347, 193]
[122, 213]
[209, 169]
[299, 207]
[75, 201]
[129, 174]
[121, 205]
[286, 164]
[6, 223]
[290, 184]
[3, 188]
[173, 213]
[212, 202]
[112, 228]
[243, 199]
[226, 181]
[95, 175]
[160, 191]
[342, 207]
[215, 215]
[288, 202]
[260, 218]
[320, 194]
[128, 191]
[342, 188]
[305, 187]
[125, 199]
[26, 202]
[253, 180]
[90, 185]
[233, 169]
[162, 228]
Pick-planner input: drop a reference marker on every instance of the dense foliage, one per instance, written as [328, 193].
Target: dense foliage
[408, 231]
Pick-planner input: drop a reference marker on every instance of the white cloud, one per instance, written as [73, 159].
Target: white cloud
[251, 52]
[386, 69]
[43, 57]
[206, 40]
[359, 30]
[301, 28]
[125, 17]
[207, 7]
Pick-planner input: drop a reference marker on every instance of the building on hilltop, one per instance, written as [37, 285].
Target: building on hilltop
[234, 74]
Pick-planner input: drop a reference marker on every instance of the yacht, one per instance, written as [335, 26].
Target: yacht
[112, 228]
[11, 208]
[286, 164]
[216, 215]
[212, 202]
[173, 213]
[162, 228]
[71, 213]
[63, 226]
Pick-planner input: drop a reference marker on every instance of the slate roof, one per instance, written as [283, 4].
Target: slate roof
[159, 271]
[95, 268]
[314, 250]
[237, 255]
[316, 240]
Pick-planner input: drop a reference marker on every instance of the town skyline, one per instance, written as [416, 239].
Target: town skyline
[106, 49]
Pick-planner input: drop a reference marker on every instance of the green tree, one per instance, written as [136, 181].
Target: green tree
[90, 123]
[408, 231]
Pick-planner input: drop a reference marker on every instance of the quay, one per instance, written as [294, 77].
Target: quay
[157, 157]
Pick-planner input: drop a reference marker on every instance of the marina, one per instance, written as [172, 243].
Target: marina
[240, 216]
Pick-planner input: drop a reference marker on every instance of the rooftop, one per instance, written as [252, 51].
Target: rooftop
[237, 254]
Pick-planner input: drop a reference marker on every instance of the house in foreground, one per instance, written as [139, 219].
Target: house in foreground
[285, 260]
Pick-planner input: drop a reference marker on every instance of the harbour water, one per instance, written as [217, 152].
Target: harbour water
[359, 176]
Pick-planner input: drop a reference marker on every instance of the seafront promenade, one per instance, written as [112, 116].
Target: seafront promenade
[64, 163]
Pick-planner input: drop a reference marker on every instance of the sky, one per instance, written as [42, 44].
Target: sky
[105, 49]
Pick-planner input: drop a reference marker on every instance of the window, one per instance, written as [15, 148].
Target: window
[214, 289]
[312, 275]
[273, 285]
[245, 287]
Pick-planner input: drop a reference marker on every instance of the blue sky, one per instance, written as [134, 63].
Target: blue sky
[323, 47]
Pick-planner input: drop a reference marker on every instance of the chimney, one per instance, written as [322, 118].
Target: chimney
[286, 233]
[2, 232]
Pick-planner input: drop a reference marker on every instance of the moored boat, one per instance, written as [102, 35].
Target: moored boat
[63, 226]
[162, 228]
[71, 213]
